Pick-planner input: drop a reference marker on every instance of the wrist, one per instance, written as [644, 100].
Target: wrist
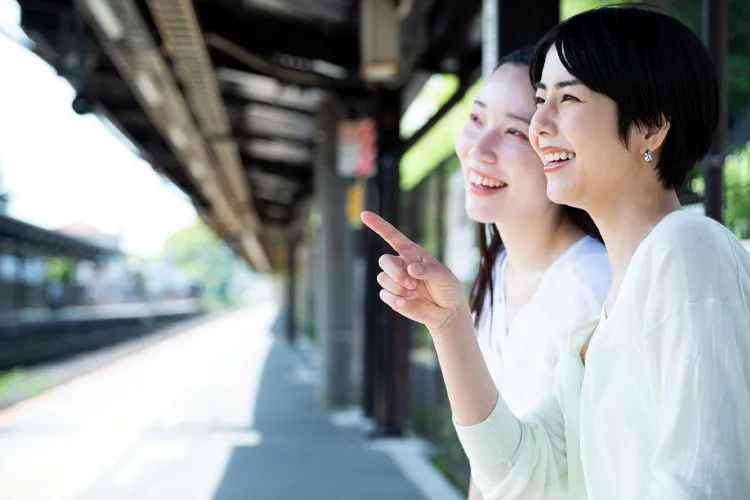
[458, 320]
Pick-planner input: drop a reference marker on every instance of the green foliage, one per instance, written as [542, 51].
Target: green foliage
[737, 193]
[18, 384]
[570, 8]
[450, 457]
[197, 252]
[200, 255]
[449, 471]
[59, 269]
[420, 336]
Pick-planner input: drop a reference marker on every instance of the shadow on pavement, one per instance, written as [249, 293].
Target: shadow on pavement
[301, 454]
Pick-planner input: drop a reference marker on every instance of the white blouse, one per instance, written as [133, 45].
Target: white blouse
[522, 356]
[662, 409]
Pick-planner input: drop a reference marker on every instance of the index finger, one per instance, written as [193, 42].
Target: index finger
[385, 230]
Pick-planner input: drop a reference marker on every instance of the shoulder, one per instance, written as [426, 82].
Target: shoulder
[589, 262]
[689, 236]
[586, 274]
[575, 289]
[692, 248]
[690, 263]
[686, 224]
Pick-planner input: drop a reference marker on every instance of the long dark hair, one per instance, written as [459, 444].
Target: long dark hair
[488, 237]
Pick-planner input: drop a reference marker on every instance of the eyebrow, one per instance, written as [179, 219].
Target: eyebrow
[512, 116]
[527, 121]
[559, 85]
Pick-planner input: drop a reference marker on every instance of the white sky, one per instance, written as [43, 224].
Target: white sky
[59, 167]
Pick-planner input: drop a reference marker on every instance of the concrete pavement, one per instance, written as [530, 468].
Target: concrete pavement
[221, 411]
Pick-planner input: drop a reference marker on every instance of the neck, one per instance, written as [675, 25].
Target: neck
[625, 220]
[535, 241]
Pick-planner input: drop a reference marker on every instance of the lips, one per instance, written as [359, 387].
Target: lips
[481, 185]
[556, 158]
[479, 179]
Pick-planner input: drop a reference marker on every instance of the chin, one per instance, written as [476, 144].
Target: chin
[480, 218]
[478, 214]
[562, 193]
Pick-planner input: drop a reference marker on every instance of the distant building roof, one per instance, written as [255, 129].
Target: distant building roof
[89, 233]
[82, 229]
[29, 239]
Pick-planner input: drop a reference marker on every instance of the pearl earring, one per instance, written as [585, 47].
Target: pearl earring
[648, 156]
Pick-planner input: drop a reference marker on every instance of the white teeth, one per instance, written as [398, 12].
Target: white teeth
[557, 156]
[478, 180]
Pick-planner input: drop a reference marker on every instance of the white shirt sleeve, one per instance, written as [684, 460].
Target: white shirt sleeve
[697, 361]
[696, 347]
[515, 458]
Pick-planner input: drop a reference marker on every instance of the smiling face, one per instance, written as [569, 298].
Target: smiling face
[503, 176]
[571, 120]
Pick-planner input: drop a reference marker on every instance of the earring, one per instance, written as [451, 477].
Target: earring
[648, 157]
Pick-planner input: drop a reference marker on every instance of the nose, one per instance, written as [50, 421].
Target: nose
[543, 123]
[484, 148]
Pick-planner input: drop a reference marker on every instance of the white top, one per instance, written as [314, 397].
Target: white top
[522, 357]
[662, 409]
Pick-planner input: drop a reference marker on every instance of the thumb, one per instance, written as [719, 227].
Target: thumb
[429, 272]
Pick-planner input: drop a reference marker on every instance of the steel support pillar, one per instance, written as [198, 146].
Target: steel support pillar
[391, 338]
[715, 37]
[333, 268]
[508, 25]
[291, 290]
[371, 249]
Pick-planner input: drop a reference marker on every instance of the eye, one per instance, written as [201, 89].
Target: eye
[568, 97]
[516, 132]
[539, 100]
[474, 118]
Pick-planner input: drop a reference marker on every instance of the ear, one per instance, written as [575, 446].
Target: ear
[653, 137]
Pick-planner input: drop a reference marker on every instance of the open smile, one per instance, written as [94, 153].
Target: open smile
[484, 185]
[555, 158]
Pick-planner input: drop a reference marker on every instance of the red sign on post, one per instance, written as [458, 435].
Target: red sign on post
[357, 148]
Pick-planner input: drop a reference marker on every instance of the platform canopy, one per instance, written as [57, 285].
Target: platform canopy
[221, 96]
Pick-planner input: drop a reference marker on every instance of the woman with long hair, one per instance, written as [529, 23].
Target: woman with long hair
[543, 270]
[652, 399]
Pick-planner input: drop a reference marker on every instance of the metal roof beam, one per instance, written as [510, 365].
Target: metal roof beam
[268, 35]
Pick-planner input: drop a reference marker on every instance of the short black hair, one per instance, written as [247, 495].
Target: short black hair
[652, 66]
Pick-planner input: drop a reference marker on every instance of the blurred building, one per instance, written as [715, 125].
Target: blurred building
[107, 280]
[40, 268]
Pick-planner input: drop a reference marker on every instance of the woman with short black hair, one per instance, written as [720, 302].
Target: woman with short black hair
[653, 398]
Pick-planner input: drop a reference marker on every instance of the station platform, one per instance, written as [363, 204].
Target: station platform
[33, 316]
[34, 336]
[222, 411]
